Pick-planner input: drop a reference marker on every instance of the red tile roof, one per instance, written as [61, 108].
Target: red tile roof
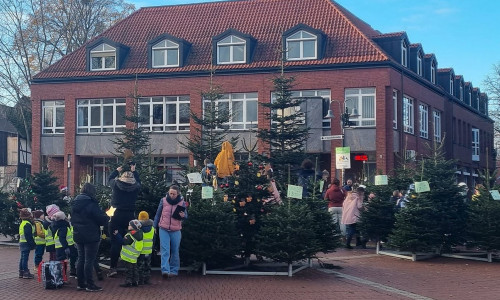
[347, 36]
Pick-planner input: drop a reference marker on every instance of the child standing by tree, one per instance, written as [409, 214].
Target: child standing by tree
[63, 238]
[144, 261]
[39, 237]
[131, 249]
[26, 242]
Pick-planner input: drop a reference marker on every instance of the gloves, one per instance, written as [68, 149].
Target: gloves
[67, 251]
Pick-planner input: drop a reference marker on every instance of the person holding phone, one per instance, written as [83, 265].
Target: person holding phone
[168, 222]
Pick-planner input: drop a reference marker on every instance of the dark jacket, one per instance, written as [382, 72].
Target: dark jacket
[137, 234]
[86, 218]
[61, 228]
[124, 194]
[30, 241]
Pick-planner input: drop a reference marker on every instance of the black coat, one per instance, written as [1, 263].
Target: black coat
[124, 194]
[86, 218]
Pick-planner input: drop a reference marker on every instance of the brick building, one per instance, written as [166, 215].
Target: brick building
[404, 101]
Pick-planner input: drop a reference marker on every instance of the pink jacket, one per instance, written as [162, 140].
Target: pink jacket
[166, 221]
[351, 208]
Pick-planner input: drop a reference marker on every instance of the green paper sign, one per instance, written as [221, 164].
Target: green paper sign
[207, 192]
[495, 194]
[294, 191]
[381, 180]
[422, 186]
[321, 185]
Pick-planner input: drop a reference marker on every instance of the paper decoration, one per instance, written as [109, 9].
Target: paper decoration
[495, 194]
[321, 185]
[194, 178]
[294, 191]
[343, 157]
[422, 186]
[111, 211]
[381, 180]
[207, 192]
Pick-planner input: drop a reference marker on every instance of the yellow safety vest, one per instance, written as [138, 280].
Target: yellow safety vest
[49, 239]
[39, 240]
[22, 237]
[131, 252]
[69, 238]
[148, 241]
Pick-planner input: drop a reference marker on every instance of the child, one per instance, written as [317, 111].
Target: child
[39, 237]
[144, 261]
[49, 235]
[131, 249]
[26, 242]
[63, 238]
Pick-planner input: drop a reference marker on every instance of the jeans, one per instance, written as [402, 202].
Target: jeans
[87, 253]
[337, 218]
[170, 242]
[39, 251]
[23, 260]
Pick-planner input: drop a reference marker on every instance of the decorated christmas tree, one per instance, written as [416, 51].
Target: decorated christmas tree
[483, 224]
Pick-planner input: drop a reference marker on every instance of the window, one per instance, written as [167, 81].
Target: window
[53, 116]
[301, 45]
[475, 144]
[424, 121]
[165, 54]
[419, 63]
[231, 50]
[172, 167]
[461, 92]
[242, 108]
[408, 122]
[362, 99]
[168, 113]
[433, 72]
[103, 57]
[325, 94]
[404, 53]
[101, 169]
[451, 84]
[395, 108]
[101, 115]
[437, 126]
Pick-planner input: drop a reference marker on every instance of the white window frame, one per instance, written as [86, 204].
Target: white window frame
[419, 62]
[301, 38]
[408, 116]
[404, 53]
[437, 126]
[233, 43]
[240, 119]
[433, 71]
[104, 52]
[163, 48]
[475, 144]
[325, 94]
[157, 112]
[395, 109]
[51, 110]
[117, 125]
[424, 120]
[452, 84]
[362, 99]
[102, 166]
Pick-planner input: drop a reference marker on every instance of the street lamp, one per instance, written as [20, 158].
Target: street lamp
[344, 122]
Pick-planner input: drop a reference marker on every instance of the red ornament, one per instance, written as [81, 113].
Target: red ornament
[227, 184]
[259, 187]
[221, 186]
[250, 164]
[19, 204]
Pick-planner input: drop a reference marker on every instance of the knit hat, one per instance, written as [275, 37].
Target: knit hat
[37, 214]
[127, 177]
[51, 210]
[60, 215]
[143, 216]
[25, 214]
[135, 224]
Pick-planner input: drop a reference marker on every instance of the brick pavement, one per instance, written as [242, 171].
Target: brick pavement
[357, 274]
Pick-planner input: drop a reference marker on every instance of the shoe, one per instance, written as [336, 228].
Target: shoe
[72, 275]
[170, 275]
[28, 275]
[112, 272]
[164, 275]
[348, 247]
[126, 284]
[21, 274]
[81, 287]
[94, 288]
[100, 277]
[135, 284]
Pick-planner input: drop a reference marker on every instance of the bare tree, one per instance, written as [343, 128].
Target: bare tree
[492, 87]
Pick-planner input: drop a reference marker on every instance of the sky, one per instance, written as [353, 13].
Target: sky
[463, 35]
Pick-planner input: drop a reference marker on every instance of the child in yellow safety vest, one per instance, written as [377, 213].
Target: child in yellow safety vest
[63, 239]
[144, 261]
[132, 245]
[50, 245]
[26, 242]
[38, 217]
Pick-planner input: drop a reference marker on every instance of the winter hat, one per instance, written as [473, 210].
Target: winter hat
[127, 177]
[51, 210]
[135, 224]
[143, 216]
[25, 214]
[59, 216]
[37, 214]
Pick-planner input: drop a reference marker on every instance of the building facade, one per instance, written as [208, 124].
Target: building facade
[406, 104]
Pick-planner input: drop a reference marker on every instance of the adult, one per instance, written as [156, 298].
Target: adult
[87, 219]
[306, 175]
[335, 196]
[351, 211]
[348, 185]
[125, 190]
[169, 225]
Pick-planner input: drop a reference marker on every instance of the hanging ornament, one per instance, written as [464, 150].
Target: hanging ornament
[252, 221]
[249, 198]
[258, 174]
[245, 214]
[226, 197]
[227, 184]
[233, 201]
[236, 167]
[250, 164]
[261, 167]
[19, 204]
[234, 209]
[236, 182]
[259, 187]
[242, 203]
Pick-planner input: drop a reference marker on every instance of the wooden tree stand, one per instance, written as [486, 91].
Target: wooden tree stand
[292, 269]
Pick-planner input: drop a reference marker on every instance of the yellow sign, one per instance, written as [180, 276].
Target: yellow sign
[294, 191]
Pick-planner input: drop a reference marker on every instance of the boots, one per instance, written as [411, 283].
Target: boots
[28, 275]
[21, 273]
[348, 242]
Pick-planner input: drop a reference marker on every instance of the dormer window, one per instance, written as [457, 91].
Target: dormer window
[461, 93]
[404, 53]
[231, 50]
[301, 45]
[165, 54]
[419, 63]
[103, 57]
[433, 72]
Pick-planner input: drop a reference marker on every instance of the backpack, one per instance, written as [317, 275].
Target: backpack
[52, 274]
[39, 229]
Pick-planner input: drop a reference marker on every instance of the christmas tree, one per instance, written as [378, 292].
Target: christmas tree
[483, 224]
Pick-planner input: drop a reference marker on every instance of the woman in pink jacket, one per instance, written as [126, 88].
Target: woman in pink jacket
[351, 210]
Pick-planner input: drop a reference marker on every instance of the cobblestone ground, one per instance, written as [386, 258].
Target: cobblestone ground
[354, 274]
